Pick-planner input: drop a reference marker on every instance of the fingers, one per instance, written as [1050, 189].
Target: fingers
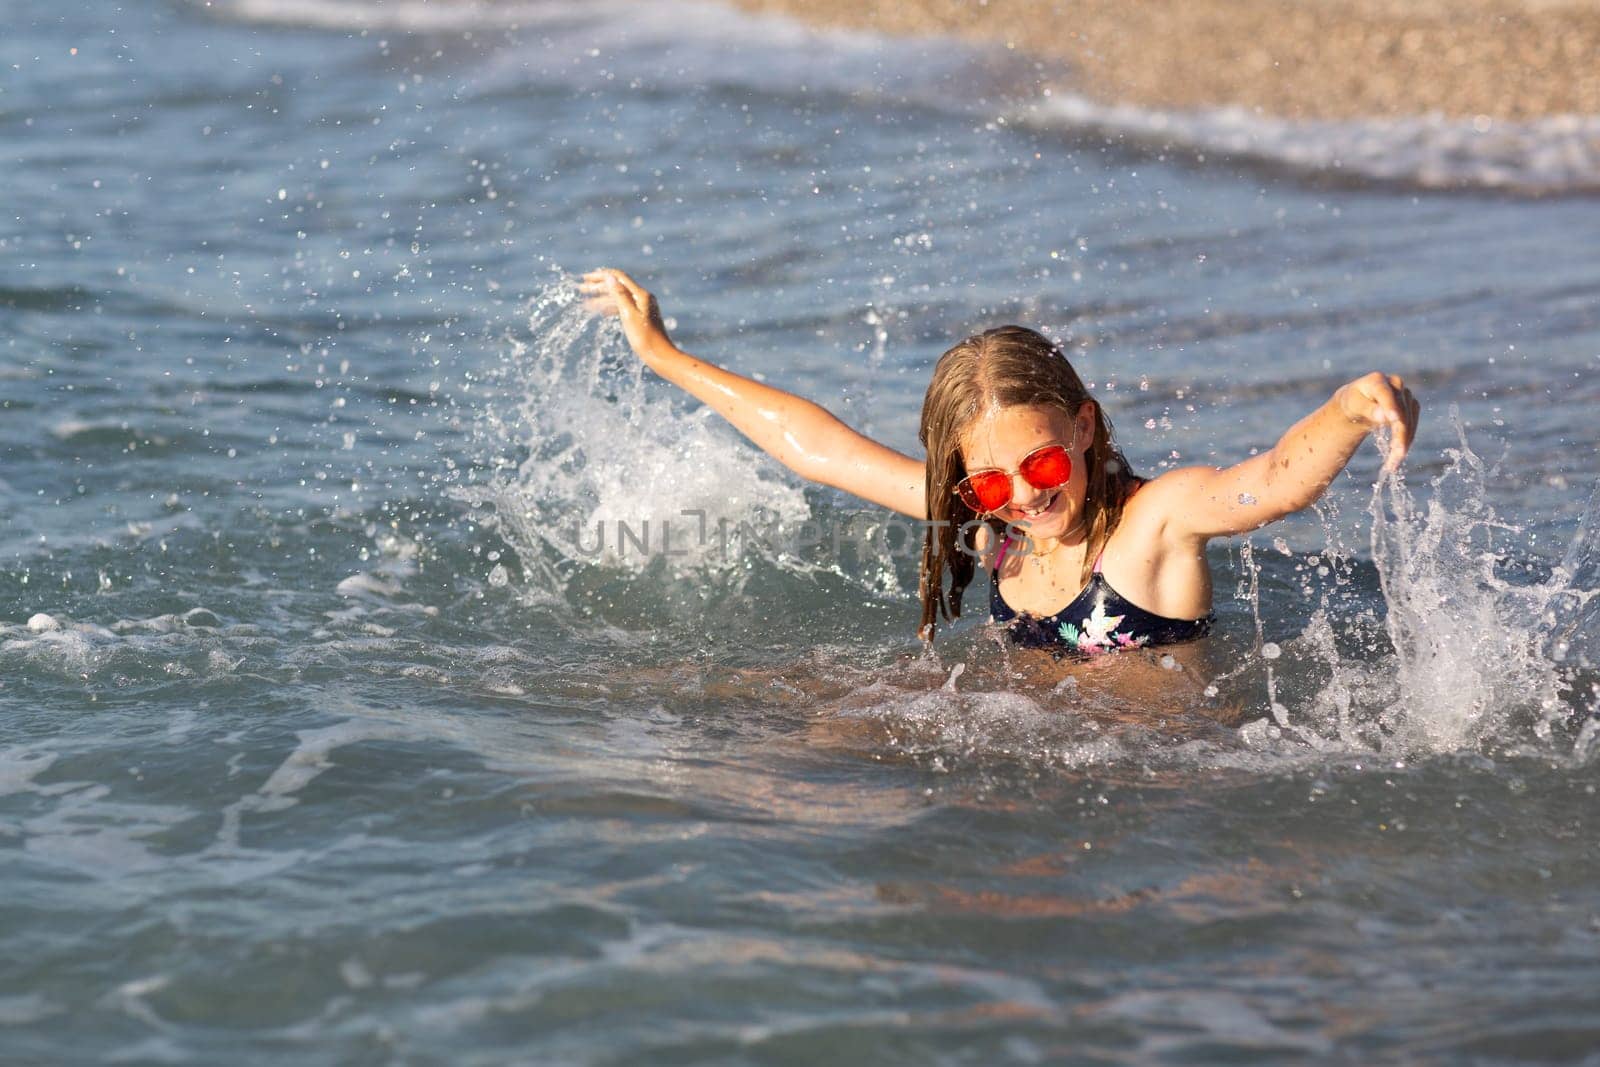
[1399, 445]
[611, 292]
[1382, 401]
[599, 283]
[1412, 414]
[599, 294]
[1395, 406]
[604, 295]
[596, 281]
[637, 291]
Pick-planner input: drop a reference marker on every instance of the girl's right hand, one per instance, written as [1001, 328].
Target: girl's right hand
[611, 292]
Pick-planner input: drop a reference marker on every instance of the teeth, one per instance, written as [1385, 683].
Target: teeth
[1040, 510]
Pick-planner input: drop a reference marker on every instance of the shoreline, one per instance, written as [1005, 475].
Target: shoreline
[1327, 59]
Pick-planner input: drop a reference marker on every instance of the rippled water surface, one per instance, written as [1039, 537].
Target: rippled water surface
[324, 733]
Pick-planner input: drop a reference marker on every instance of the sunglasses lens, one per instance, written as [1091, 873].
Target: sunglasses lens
[986, 491]
[1047, 468]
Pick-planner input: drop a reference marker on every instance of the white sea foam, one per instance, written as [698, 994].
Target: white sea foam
[386, 581]
[311, 756]
[404, 16]
[943, 723]
[87, 831]
[1183, 1024]
[164, 645]
[20, 766]
[194, 618]
[1557, 153]
[62, 650]
[687, 43]
[128, 998]
[27, 1008]
[67, 429]
[369, 585]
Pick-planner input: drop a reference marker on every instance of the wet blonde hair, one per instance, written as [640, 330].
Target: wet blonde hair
[1010, 366]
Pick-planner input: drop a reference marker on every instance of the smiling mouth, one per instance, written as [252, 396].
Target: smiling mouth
[1034, 513]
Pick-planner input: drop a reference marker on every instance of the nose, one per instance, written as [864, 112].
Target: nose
[1025, 493]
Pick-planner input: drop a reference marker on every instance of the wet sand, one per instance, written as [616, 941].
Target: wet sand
[1505, 59]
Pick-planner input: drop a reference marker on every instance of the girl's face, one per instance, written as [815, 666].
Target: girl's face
[1001, 437]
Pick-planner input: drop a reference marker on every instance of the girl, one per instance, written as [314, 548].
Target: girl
[1023, 477]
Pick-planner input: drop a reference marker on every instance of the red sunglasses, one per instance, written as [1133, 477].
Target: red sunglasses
[989, 490]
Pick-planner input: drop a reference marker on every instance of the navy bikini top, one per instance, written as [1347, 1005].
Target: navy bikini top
[1099, 619]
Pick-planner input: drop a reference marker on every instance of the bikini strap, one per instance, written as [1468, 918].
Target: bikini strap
[1000, 557]
[1097, 560]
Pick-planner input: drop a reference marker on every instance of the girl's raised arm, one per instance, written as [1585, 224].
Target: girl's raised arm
[802, 436]
[1205, 502]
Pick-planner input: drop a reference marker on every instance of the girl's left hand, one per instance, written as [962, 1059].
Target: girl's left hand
[1376, 401]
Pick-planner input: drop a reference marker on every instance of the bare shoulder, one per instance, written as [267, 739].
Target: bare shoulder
[1148, 514]
[1145, 514]
[1149, 561]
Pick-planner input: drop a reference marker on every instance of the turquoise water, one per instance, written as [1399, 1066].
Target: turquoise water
[322, 735]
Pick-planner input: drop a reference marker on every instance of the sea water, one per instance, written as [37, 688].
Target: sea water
[341, 721]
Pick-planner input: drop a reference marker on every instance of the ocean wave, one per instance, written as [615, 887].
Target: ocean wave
[414, 16]
[693, 45]
[1554, 154]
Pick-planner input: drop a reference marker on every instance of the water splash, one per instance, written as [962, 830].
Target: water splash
[1486, 647]
[585, 458]
[1473, 649]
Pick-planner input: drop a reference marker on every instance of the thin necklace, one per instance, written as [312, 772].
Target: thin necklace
[1039, 557]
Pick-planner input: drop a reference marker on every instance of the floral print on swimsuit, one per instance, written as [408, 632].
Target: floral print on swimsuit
[1099, 633]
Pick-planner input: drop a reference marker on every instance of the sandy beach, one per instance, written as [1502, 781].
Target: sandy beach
[1328, 59]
